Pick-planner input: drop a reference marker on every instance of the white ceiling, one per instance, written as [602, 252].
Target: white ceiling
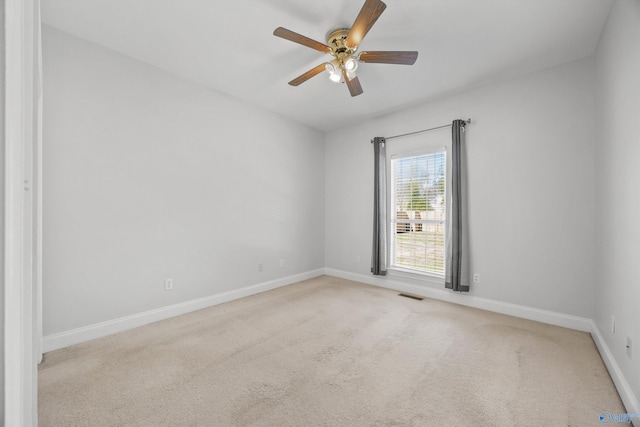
[228, 46]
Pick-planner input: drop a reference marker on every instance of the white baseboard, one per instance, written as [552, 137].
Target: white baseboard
[627, 395]
[98, 330]
[539, 315]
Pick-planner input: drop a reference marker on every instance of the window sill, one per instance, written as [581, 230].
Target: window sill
[436, 279]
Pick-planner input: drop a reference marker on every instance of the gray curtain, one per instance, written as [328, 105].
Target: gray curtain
[379, 253]
[457, 242]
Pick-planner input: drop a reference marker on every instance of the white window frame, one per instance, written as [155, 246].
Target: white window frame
[391, 215]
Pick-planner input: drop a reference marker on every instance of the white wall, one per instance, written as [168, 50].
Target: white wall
[617, 178]
[2, 197]
[531, 156]
[148, 176]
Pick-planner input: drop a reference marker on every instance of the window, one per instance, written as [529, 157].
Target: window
[418, 212]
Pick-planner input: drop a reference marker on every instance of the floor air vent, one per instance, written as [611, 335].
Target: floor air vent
[411, 296]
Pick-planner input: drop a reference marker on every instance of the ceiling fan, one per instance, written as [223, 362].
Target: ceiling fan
[342, 45]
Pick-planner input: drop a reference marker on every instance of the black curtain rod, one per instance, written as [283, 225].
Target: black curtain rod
[468, 121]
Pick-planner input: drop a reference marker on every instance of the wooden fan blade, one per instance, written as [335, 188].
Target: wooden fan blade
[298, 38]
[390, 57]
[306, 76]
[369, 14]
[354, 86]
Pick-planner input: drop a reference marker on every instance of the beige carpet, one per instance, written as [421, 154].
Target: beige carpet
[330, 352]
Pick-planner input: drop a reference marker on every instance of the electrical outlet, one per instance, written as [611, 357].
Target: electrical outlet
[357, 260]
[629, 347]
[613, 324]
[476, 278]
[259, 267]
[282, 262]
[168, 284]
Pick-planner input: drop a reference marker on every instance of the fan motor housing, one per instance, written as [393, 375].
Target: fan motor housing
[336, 39]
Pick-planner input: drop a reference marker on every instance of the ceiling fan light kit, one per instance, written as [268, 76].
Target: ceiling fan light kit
[343, 44]
[333, 68]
